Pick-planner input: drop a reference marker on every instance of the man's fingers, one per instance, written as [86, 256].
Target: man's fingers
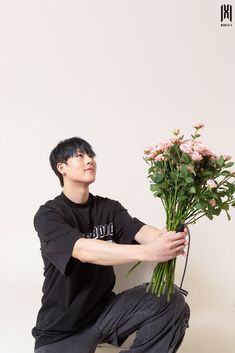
[180, 251]
[177, 236]
[181, 242]
[183, 253]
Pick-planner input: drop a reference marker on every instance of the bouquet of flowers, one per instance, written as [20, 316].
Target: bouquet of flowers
[192, 181]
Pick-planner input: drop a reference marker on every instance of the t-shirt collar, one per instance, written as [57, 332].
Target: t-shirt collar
[75, 204]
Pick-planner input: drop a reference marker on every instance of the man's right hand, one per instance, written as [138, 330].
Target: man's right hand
[167, 246]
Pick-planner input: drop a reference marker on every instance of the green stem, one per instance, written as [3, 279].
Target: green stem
[133, 267]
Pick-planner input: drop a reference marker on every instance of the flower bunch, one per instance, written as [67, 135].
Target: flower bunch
[192, 181]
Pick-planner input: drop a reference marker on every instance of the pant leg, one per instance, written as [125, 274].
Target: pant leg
[85, 341]
[151, 317]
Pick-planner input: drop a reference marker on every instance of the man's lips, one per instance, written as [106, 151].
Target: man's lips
[91, 169]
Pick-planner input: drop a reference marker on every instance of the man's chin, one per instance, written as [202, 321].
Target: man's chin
[91, 181]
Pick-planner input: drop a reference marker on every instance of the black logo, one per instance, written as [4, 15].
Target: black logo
[226, 15]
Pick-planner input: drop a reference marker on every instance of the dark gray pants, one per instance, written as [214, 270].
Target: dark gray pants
[133, 310]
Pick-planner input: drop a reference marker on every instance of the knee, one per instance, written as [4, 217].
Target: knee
[177, 302]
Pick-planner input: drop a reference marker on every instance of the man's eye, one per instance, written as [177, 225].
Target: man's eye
[79, 155]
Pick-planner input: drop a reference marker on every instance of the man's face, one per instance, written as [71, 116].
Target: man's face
[79, 168]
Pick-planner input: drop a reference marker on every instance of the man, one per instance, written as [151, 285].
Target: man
[82, 236]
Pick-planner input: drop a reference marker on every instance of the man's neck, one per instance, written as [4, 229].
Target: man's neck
[79, 194]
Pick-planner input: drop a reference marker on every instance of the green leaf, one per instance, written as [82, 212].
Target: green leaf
[231, 188]
[185, 157]
[209, 216]
[174, 150]
[154, 187]
[198, 206]
[211, 195]
[157, 193]
[192, 190]
[222, 193]
[184, 170]
[152, 177]
[159, 178]
[217, 211]
[189, 179]
[157, 166]
[220, 161]
[207, 173]
[228, 165]
[225, 173]
[225, 206]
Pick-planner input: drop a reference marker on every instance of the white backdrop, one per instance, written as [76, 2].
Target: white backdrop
[122, 75]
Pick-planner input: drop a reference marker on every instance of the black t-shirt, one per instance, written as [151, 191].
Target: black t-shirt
[74, 293]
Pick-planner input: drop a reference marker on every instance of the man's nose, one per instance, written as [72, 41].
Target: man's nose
[89, 159]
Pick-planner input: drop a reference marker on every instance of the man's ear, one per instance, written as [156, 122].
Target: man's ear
[60, 167]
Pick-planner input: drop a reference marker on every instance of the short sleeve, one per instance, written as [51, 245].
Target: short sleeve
[125, 226]
[57, 237]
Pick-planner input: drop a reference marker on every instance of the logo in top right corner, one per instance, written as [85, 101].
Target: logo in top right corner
[226, 15]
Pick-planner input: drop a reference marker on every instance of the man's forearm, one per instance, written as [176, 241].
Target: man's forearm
[106, 253]
[147, 234]
[157, 245]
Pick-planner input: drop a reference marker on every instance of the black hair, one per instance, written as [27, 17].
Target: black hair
[66, 149]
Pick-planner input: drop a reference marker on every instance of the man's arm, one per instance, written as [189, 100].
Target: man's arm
[147, 234]
[164, 247]
[106, 253]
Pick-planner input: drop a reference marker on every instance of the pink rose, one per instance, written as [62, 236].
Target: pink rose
[214, 157]
[202, 149]
[175, 140]
[212, 202]
[168, 145]
[195, 156]
[211, 184]
[159, 158]
[147, 150]
[164, 146]
[159, 147]
[226, 157]
[186, 147]
[152, 155]
[198, 125]
[198, 146]
[209, 153]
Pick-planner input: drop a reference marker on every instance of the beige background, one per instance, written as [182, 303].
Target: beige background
[123, 75]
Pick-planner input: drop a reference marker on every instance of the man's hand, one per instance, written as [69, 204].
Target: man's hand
[166, 246]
